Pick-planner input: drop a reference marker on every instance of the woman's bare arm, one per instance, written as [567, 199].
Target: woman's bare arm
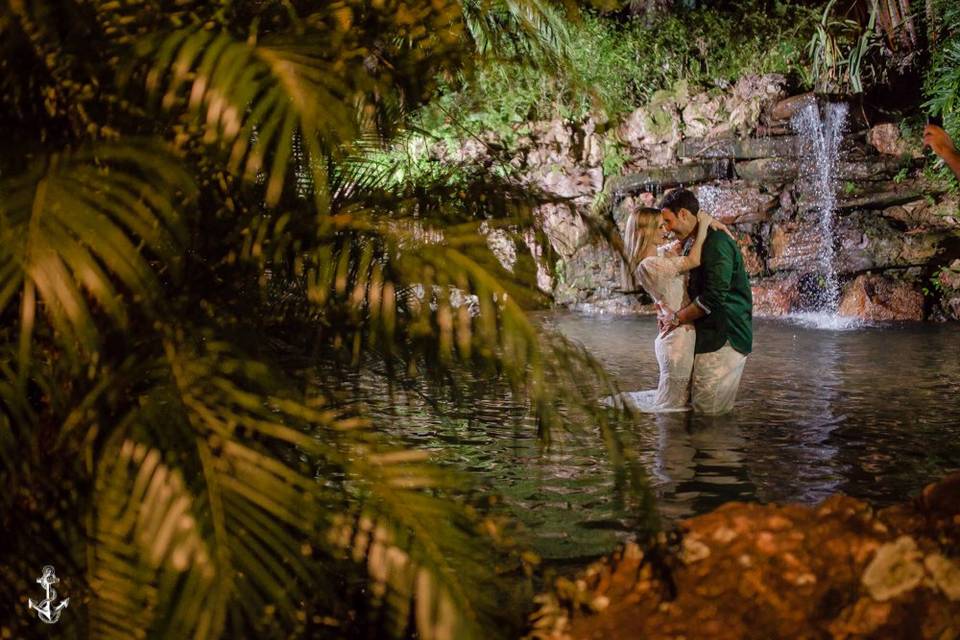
[692, 260]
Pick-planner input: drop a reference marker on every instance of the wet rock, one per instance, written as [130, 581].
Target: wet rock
[735, 202]
[785, 109]
[840, 570]
[868, 242]
[694, 550]
[768, 170]
[879, 195]
[776, 296]
[869, 169]
[925, 215]
[949, 281]
[752, 262]
[862, 242]
[794, 246]
[668, 177]
[875, 297]
[739, 148]
[894, 570]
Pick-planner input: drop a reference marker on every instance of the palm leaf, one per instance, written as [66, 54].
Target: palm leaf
[86, 231]
[231, 517]
[254, 99]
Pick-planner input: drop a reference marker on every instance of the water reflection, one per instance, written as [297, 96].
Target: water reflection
[696, 454]
[873, 412]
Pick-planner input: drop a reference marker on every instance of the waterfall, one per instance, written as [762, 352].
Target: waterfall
[819, 135]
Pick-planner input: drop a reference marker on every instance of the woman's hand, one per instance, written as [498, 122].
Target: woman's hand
[713, 223]
[666, 318]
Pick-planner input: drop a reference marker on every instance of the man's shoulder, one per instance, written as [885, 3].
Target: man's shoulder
[717, 240]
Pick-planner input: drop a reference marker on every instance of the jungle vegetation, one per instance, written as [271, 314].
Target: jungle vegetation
[205, 232]
[199, 243]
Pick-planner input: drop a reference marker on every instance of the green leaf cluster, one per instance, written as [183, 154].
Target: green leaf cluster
[616, 64]
[942, 83]
[195, 218]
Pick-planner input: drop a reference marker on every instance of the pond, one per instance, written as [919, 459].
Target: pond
[873, 412]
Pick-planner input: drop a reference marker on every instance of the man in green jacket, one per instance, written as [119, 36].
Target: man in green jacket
[721, 311]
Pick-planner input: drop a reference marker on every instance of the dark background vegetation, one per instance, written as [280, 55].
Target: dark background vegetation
[207, 220]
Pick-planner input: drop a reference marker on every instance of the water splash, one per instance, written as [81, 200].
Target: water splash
[826, 320]
[819, 135]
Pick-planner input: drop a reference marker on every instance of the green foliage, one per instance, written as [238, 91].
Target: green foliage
[839, 52]
[942, 84]
[614, 156]
[616, 66]
[172, 237]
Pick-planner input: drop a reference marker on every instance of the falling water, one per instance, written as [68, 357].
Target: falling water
[819, 134]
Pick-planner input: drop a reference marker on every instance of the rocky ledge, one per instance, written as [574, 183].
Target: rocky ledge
[839, 570]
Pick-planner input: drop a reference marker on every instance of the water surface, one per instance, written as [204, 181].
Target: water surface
[873, 412]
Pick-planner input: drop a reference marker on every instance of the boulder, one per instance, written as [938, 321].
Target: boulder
[841, 569]
[633, 131]
[776, 296]
[564, 228]
[570, 182]
[886, 139]
[876, 297]
[751, 96]
[703, 113]
[788, 107]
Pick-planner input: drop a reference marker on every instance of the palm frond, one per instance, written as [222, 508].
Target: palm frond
[149, 564]
[90, 231]
[531, 29]
[212, 534]
[254, 99]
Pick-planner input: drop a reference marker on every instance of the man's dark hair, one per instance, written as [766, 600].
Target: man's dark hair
[681, 199]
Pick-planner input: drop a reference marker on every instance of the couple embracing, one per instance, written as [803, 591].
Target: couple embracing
[705, 308]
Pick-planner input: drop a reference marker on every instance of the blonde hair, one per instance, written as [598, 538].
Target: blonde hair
[638, 237]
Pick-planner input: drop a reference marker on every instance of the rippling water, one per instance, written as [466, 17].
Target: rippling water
[873, 412]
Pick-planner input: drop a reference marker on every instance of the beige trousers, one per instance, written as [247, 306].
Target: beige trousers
[716, 378]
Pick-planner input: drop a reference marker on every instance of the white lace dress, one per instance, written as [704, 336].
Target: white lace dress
[660, 277]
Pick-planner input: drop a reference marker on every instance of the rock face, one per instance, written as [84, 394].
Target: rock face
[839, 570]
[893, 232]
[874, 297]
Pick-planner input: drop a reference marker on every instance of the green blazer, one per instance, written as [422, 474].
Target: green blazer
[721, 288]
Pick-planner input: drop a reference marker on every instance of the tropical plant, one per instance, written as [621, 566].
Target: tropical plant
[194, 220]
[617, 65]
[839, 52]
[942, 83]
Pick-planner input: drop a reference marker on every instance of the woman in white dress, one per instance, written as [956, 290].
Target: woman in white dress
[663, 274]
